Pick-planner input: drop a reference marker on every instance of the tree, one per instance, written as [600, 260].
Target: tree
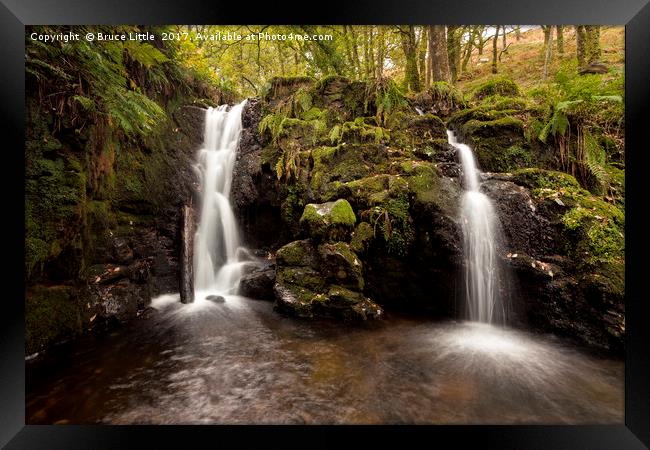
[454, 34]
[548, 48]
[494, 48]
[560, 39]
[580, 44]
[409, 47]
[592, 44]
[438, 54]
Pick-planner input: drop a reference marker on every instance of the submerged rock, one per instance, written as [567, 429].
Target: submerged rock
[216, 298]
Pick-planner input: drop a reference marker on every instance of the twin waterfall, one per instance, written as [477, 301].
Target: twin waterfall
[218, 258]
[480, 229]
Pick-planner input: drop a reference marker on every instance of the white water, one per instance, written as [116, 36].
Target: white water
[480, 229]
[218, 256]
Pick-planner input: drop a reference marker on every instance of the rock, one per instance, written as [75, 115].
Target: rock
[362, 237]
[258, 283]
[297, 253]
[326, 281]
[122, 252]
[329, 221]
[216, 298]
[340, 265]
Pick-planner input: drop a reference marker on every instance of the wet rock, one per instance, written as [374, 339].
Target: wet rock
[258, 283]
[122, 252]
[215, 298]
[323, 281]
[340, 265]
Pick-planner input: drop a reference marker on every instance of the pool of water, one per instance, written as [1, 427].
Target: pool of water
[241, 363]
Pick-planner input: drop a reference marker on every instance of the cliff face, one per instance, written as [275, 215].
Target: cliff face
[308, 142]
[104, 191]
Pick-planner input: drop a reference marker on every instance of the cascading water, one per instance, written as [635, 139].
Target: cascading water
[218, 256]
[480, 229]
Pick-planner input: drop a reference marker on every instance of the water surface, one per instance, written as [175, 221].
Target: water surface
[242, 363]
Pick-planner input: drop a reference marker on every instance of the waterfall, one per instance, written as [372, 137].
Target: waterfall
[480, 228]
[218, 256]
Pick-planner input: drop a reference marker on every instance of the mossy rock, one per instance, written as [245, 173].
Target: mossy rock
[52, 314]
[340, 265]
[344, 163]
[297, 253]
[441, 98]
[535, 178]
[499, 145]
[302, 277]
[362, 238]
[376, 190]
[278, 88]
[348, 98]
[329, 221]
[496, 86]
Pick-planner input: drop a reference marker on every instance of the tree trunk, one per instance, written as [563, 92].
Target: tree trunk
[504, 44]
[439, 56]
[580, 45]
[494, 49]
[355, 51]
[560, 40]
[422, 54]
[411, 74]
[518, 33]
[454, 34]
[468, 49]
[548, 57]
[592, 44]
[381, 48]
[187, 247]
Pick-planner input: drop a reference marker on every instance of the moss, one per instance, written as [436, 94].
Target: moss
[595, 238]
[477, 126]
[304, 277]
[361, 237]
[535, 178]
[297, 253]
[330, 221]
[55, 195]
[52, 314]
[342, 213]
[497, 86]
[341, 265]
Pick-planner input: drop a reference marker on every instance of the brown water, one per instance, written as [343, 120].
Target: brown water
[240, 362]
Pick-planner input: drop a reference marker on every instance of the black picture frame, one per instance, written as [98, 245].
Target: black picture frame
[15, 14]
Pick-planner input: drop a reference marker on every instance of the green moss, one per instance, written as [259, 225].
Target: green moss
[535, 178]
[331, 220]
[297, 253]
[55, 195]
[361, 237]
[497, 86]
[52, 314]
[304, 277]
[342, 213]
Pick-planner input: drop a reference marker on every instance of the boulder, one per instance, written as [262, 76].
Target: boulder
[323, 281]
[258, 283]
[330, 221]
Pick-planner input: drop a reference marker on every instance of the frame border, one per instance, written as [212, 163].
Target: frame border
[635, 14]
